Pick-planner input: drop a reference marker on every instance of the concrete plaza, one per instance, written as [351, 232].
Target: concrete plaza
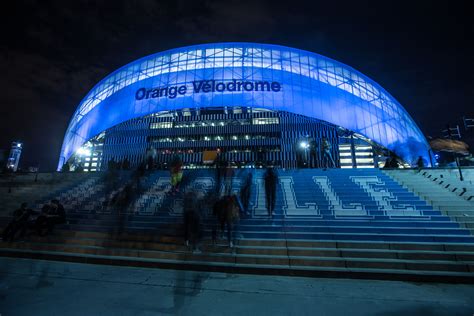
[35, 287]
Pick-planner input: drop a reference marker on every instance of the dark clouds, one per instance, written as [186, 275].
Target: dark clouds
[53, 52]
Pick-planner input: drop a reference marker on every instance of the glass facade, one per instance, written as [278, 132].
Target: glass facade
[269, 77]
[238, 134]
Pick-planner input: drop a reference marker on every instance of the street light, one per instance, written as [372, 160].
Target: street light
[304, 145]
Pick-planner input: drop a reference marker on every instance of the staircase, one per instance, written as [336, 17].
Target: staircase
[342, 223]
[34, 189]
[458, 208]
[450, 179]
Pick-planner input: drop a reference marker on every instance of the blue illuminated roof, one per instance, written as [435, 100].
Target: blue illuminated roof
[311, 85]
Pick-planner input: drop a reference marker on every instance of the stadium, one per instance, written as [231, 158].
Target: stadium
[257, 107]
[256, 104]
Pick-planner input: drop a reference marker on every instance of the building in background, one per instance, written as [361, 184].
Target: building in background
[255, 104]
[14, 157]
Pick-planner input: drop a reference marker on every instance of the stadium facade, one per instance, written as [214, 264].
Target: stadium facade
[255, 103]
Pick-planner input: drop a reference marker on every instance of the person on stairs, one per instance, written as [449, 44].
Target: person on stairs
[245, 193]
[192, 220]
[230, 217]
[51, 215]
[18, 223]
[176, 173]
[328, 161]
[271, 179]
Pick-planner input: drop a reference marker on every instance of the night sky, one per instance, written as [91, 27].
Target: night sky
[53, 52]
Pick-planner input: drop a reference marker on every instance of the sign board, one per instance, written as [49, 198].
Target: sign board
[209, 156]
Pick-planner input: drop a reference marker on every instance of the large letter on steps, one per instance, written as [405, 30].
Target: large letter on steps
[291, 206]
[384, 198]
[352, 209]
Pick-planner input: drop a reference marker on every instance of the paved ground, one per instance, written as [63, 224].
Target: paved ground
[34, 287]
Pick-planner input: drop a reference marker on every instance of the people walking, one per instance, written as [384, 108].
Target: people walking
[420, 163]
[228, 178]
[220, 171]
[226, 210]
[217, 212]
[192, 220]
[230, 218]
[328, 161]
[176, 173]
[245, 193]
[271, 179]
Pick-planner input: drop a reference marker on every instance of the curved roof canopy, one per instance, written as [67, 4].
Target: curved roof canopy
[266, 76]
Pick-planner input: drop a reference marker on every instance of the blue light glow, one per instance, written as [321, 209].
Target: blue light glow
[301, 82]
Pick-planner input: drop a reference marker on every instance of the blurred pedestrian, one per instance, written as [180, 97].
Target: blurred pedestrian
[192, 220]
[18, 223]
[420, 163]
[271, 179]
[229, 217]
[245, 193]
[176, 173]
[228, 177]
[217, 212]
[220, 171]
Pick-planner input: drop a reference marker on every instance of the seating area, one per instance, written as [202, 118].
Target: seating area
[358, 222]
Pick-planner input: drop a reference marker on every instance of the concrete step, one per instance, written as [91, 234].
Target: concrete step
[207, 247]
[463, 235]
[62, 235]
[235, 257]
[308, 271]
[315, 268]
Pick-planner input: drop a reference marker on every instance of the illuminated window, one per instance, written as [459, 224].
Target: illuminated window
[266, 120]
[157, 125]
[346, 160]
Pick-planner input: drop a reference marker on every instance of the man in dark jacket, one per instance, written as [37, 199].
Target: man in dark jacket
[52, 214]
[18, 223]
[271, 180]
[192, 219]
[245, 193]
[57, 215]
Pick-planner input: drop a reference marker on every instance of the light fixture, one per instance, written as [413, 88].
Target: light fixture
[83, 151]
[304, 144]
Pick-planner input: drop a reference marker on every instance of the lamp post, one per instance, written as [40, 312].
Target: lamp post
[304, 145]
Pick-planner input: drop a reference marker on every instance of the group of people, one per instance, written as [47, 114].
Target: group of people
[312, 154]
[226, 213]
[227, 207]
[42, 222]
